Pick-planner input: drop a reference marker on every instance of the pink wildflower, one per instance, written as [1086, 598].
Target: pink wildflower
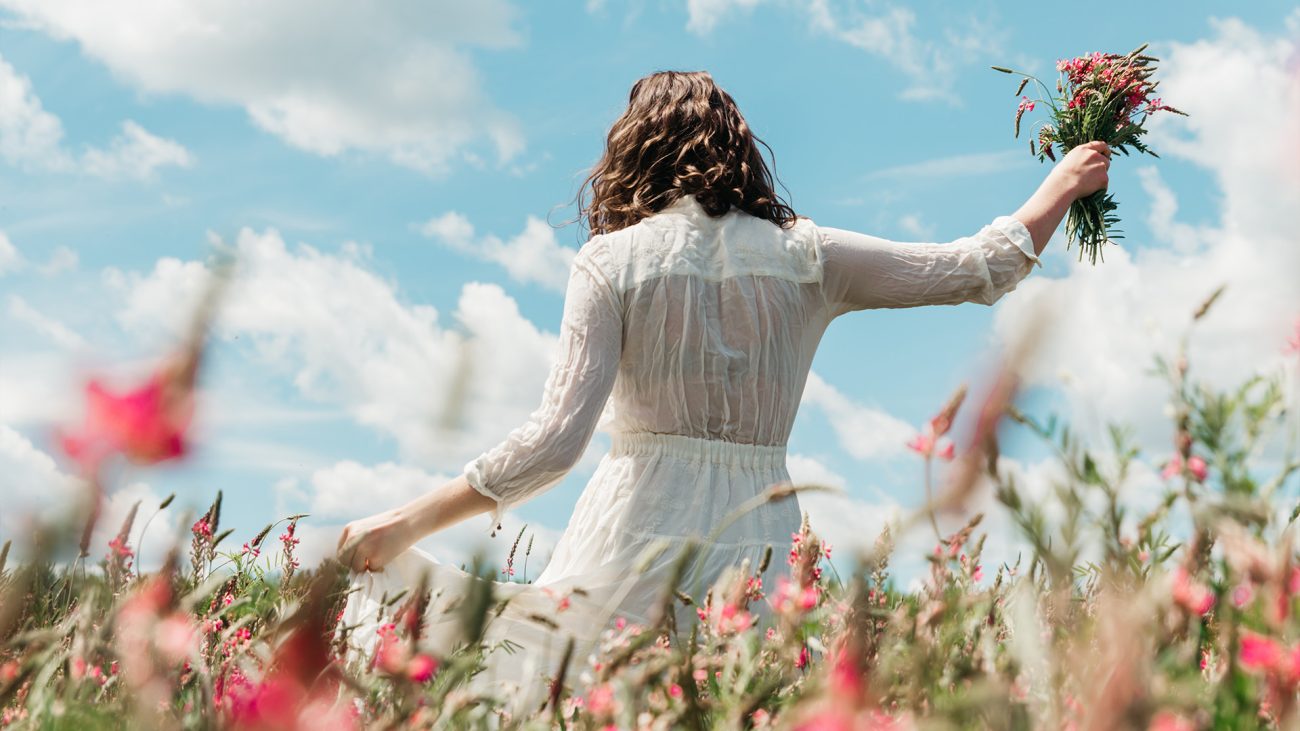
[1259, 652]
[391, 655]
[1293, 342]
[146, 424]
[1241, 595]
[202, 528]
[1195, 464]
[421, 668]
[1170, 721]
[600, 700]
[119, 547]
[1192, 595]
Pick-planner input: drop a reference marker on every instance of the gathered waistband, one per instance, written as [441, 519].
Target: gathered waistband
[697, 449]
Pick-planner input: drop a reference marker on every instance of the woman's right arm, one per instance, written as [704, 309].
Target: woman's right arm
[864, 271]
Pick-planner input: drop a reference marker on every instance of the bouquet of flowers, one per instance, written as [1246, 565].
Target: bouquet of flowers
[1103, 97]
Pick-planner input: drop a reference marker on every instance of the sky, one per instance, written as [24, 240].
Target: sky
[396, 179]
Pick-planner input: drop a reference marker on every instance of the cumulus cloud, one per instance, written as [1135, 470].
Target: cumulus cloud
[33, 388]
[327, 77]
[704, 15]
[1140, 300]
[929, 65]
[349, 489]
[533, 255]
[976, 163]
[10, 259]
[32, 138]
[346, 338]
[863, 431]
[29, 136]
[135, 154]
[21, 311]
[34, 486]
[847, 522]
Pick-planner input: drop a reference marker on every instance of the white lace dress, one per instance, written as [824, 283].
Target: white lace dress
[702, 331]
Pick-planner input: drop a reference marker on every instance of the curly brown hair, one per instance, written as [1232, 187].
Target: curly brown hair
[680, 135]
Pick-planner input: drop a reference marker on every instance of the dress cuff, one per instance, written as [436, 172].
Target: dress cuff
[1019, 235]
[474, 475]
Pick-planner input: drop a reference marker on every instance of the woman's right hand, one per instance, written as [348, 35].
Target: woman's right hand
[1084, 169]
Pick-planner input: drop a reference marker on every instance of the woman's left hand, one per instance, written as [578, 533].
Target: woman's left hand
[370, 543]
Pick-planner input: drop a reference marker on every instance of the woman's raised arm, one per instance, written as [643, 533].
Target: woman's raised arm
[864, 271]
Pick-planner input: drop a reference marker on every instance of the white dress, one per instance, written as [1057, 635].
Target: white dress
[702, 330]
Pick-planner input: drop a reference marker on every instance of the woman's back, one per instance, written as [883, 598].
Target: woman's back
[720, 320]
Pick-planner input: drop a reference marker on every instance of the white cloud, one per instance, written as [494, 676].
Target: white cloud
[847, 523]
[1162, 221]
[929, 65]
[335, 489]
[32, 138]
[10, 259]
[33, 388]
[62, 259]
[34, 486]
[863, 431]
[532, 255]
[345, 338]
[60, 334]
[1139, 301]
[977, 163]
[704, 15]
[912, 225]
[135, 154]
[29, 136]
[326, 76]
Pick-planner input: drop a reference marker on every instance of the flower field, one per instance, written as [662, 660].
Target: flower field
[1183, 617]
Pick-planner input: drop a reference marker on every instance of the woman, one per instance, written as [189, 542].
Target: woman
[697, 303]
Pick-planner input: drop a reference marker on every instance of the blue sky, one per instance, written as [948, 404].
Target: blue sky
[347, 129]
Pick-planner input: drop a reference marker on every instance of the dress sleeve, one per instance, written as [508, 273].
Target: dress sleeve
[861, 271]
[539, 453]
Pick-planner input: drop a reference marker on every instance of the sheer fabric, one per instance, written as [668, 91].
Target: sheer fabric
[693, 337]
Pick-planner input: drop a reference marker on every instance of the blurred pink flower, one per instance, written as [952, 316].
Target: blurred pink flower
[1192, 595]
[1241, 595]
[1293, 342]
[924, 444]
[600, 700]
[1259, 652]
[421, 668]
[1170, 721]
[1195, 464]
[146, 424]
[202, 528]
[921, 444]
[391, 655]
